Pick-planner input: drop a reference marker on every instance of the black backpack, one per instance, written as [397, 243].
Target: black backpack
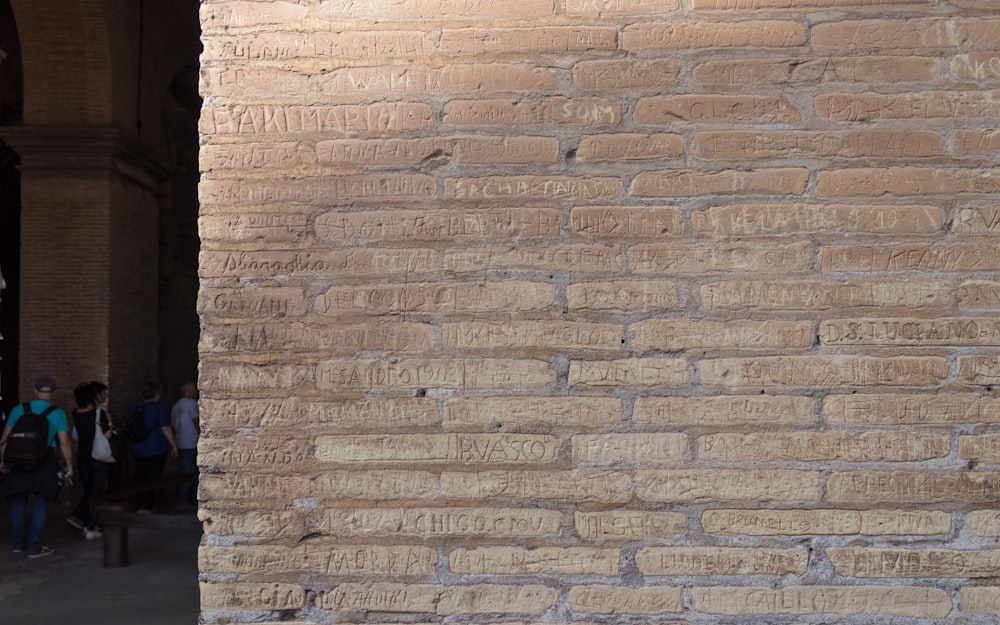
[136, 429]
[28, 441]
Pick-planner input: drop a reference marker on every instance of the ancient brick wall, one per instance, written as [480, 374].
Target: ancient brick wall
[600, 310]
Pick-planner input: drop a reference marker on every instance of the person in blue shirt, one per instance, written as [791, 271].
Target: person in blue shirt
[151, 453]
[41, 486]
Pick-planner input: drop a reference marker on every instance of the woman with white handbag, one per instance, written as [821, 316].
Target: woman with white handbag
[94, 458]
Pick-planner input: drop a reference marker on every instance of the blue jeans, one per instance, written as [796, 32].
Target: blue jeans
[39, 516]
[189, 466]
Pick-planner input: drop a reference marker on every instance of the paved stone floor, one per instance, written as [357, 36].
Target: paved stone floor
[71, 586]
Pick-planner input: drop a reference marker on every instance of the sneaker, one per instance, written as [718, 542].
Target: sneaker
[75, 522]
[45, 551]
[92, 534]
[16, 549]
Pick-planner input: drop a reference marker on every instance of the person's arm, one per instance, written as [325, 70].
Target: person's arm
[3, 447]
[67, 453]
[168, 432]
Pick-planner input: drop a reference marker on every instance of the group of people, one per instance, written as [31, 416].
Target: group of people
[31, 489]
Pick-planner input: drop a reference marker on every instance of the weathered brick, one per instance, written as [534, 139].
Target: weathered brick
[776, 219]
[548, 110]
[409, 10]
[979, 599]
[272, 596]
[911, 331]
[908, 293]
[672, 36]
[626, 73]
[556, 257]
[674, 334]
[885, 34]
[257, 452]
[460, 150]
[926, 257]
[911, 487]
[232, 377]
[829, 144]
[720, 561]
[470, 42]
[917, 602]
[293, 412]
[647, 449]
[323, 556]
[736, 410]
[569, 188]
[577, 485]
[694, 485]
[320, 191]
[717, 5]
[979, 369]
[619, 8]
[824, 522]
[255, 338]
[715, 109]
[976, 220]
[629, 372]
[230, 85]
[441, 600]
[381, 597]
[494, 449]
[251, 303]
[469, 297]
[881, 562]
[431, 522]
[983, 522]
[976, 65]
[877, 446]
[493, 599]
[542, 560]
[217, 16]
[619, 600]
[286, 154]
[293, 46]
[561, 335]
[431, 225]
[378, 485]
[257, 227]
[824, 371]
[864, 107]
[625, 295]
[629, 147]
[361, 262]
[372, 120]
[628, 524]
[453, 373]
[626, 221]
[411, 80]
[518, 412]
[911, 409]
[687, 183]
[254, 524]
[706, 257]
[774, 73]
[979, 295]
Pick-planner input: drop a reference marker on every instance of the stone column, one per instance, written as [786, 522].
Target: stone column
[89, 258]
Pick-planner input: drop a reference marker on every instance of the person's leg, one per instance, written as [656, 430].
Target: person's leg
[39, 517]
[18, 507]
[99, 479]
[189, 467]
[81, 512]
[148, 469]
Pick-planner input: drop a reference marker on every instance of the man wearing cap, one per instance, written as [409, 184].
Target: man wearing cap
[41, 486]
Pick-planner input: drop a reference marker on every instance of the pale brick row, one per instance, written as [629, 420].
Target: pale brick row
[825, 522]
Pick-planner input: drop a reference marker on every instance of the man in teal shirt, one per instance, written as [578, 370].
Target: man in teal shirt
[40, 486]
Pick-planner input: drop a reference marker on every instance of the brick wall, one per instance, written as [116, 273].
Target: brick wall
[600, 310]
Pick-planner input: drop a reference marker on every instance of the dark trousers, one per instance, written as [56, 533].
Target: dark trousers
[93, 478]
[148, 469]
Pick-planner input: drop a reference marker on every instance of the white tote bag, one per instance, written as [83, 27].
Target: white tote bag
[102, 448]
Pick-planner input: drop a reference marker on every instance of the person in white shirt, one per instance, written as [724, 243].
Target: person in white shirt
[184, 417]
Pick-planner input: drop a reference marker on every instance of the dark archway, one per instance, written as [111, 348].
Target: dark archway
[11, 113]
